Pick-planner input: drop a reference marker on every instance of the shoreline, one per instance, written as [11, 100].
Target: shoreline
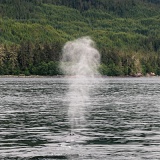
[30, 76]
[62, 76]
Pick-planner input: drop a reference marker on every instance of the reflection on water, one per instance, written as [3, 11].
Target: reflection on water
[121, 123]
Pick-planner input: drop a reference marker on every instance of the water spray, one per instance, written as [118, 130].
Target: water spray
[80, 61]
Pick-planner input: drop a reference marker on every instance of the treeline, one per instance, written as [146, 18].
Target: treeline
[39, 59]
[119, 63]
[33, 32]
[27, 58]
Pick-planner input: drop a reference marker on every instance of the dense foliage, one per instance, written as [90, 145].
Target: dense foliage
[33, 32]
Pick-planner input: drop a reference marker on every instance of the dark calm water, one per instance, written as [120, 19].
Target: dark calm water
[122, 120]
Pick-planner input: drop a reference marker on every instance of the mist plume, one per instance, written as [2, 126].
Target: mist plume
[80, 61]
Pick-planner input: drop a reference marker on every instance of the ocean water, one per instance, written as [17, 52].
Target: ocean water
[119, 119]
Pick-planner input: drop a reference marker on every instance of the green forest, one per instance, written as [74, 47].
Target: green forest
[33, 33]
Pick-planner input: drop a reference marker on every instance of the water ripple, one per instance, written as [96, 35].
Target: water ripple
[122, 122]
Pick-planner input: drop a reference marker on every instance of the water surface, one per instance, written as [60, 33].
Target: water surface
[122, 120]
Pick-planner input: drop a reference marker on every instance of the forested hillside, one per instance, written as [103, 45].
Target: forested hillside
[33, 32]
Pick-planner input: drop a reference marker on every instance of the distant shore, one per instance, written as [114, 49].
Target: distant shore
[30, 76]
[61, 76]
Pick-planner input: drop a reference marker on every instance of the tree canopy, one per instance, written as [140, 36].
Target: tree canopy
[33, 32]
